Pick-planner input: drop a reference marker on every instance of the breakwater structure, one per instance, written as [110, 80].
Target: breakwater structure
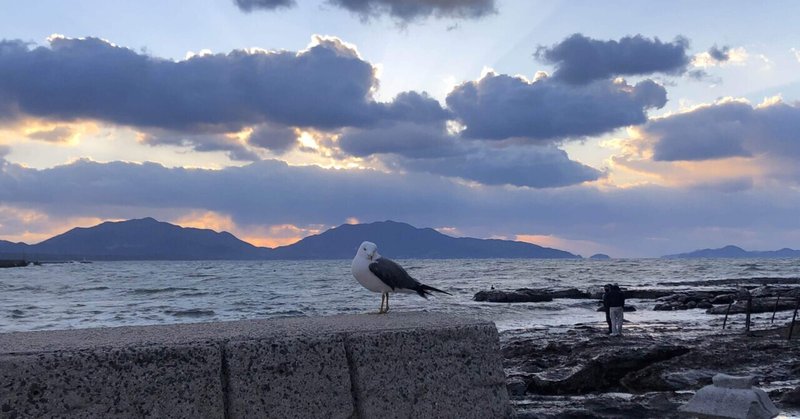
[13, 263]
[398, 365]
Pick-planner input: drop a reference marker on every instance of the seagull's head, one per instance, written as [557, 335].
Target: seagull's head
[368, 250]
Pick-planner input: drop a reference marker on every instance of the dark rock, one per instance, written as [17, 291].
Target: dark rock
[792, 397]
[529, 295]
[724, 299]
[646, 294]
[704, 305]
[599, 256]
[518, 296]
[625, 309]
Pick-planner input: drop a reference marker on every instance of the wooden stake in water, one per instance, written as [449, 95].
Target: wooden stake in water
[747, 318]
[794, 317]
[726, 315]
[775, 310]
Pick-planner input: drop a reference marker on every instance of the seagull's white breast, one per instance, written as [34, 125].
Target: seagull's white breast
[365, 277]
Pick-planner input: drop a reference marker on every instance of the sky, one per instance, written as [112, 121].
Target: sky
[630, 128]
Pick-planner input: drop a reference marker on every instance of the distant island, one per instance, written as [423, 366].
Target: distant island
[600, 256]
[735, 252]
[150, 239]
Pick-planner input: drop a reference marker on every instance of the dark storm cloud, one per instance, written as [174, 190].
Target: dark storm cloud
[200, 142]
[580, 59]
[727, 129]
[501, 106]
[405, 139]
[250, 5]
[535, 167]
[272, 137]
[410, 10]
[429, 148]
[646, 220]
[327, 86]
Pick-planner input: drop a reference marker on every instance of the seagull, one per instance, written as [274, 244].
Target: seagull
[379, 274]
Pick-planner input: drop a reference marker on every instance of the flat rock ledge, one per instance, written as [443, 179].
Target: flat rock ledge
[355, 366]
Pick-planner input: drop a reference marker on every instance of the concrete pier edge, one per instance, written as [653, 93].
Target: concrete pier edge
[350, 366]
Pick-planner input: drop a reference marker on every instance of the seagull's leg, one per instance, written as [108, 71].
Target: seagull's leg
[383, 298]
[387, 303]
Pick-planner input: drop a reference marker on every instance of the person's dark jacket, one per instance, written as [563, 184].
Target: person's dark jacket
[614, 298]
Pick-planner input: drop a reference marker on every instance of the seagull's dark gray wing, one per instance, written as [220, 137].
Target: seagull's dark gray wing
[393, 274]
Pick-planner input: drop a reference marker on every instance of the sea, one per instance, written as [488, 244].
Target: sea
[110, 294]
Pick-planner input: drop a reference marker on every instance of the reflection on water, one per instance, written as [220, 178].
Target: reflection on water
[134, 293]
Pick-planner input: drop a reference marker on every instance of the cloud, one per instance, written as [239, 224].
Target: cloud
[729, 128]
[273, 137]
[579, 59]
[325, 86]
[59, 134]
[250, 5]
[647, 221]
[720, 55]
[411, 10]
[500, 106]
[717, 56]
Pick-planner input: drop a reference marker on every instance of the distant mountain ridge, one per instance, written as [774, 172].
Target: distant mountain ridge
[149, 239]
[735, 252]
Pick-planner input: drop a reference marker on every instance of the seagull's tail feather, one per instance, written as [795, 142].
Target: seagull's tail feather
[425, 290]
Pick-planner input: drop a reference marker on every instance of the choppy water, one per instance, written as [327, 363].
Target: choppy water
[66, 296]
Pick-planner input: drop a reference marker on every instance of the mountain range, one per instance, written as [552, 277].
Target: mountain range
[735, 252]
[149, 239]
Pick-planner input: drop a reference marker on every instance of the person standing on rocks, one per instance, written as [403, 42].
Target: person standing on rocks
[614, 299]
[606, 290]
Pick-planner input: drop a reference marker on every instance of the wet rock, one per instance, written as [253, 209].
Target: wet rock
[529, 295]
[759, 305]
[602, 372]
[516, 386]
[659, 379]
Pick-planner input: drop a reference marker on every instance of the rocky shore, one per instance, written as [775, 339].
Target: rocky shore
[655, 367]
[584, 373]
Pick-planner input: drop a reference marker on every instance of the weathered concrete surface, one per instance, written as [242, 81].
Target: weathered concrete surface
[303, 377]
[146, 381]
[394, 365]
[447, 375]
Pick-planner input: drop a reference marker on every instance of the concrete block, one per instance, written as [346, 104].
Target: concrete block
[363, 366]
[442, 372]
[731, 397]
[289, 377]
[151, 381]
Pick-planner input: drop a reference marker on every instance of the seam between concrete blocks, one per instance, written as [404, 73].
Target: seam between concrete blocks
[358, 408]
[224, 378]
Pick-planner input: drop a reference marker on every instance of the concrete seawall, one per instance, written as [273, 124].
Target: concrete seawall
[400, 365]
